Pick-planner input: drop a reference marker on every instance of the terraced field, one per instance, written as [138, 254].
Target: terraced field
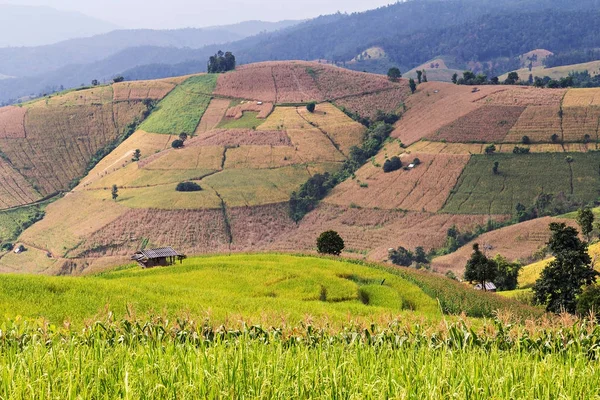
[520, 179]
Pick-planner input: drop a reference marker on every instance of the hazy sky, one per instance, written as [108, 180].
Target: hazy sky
[184, 13]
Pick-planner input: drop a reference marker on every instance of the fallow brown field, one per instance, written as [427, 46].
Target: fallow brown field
[538, 123]
[487, 124]
[241, 137]
[580, 123]
[424, 188]
[582, 98]
[213, 115]
[367, 105]
[140, 90]
[525, 96]
[436, 104]
[516, 242]
[237, 111]
[12, 122]
[14, 189]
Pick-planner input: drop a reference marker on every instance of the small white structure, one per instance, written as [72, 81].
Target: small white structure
[489, 287]
[260, 103]
[411, 166]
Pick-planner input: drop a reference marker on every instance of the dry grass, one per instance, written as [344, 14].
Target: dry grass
[213, 115]
[237, 112]
[241, 137]
[12, 122]
[436, 104]
[389, 101]
[32, 261]
[538, 123]
[580, 123]
[487, 124]
[140, 90]
[14, 189]
[188, 158]
[525, 96]
[259, 157]
[516, 242]
[89, 97]
[424, 188]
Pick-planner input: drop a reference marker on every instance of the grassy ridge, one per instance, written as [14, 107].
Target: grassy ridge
[13, 222]
[248, 121]
[183, 108]
[520, 179]
[255, 287]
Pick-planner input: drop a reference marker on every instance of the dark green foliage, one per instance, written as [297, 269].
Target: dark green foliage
[555, 138]
[177, 144]
[7, 246]
[188, 187]
[419, 76]
[480, 269]
[424, 76]
[401, 256]
[521, 150]
[317, 187]
[114, 192]
[118, 79]
[412, 85]
[563, 278]
[490, 149]
[585, 219]
[330, 242]
[394, 74]
[221, 62]
[589, 301]
[495, 167]
[95, 82]
[310, 107]
[571, 57]
[525, 140]
[183, 136]
[508, 274]
[512, 78]
[455, 78]
[388, 118]
[420, 255]
[391, 165]
[137, 154]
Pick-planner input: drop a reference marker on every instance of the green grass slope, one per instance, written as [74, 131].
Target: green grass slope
[520, 179]
[182, 109]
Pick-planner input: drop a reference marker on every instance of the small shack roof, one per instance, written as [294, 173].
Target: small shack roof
[157, 253]
[489, 286]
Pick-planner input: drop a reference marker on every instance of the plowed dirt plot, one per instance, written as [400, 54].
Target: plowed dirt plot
[297, 82]
[580, 123]
[582, 98]
[343, 131]
[424, 188]
[538, 123]
[213, 115]
[487, 124]
[389, 101]
[12, 122]
[14, 189]
[434, 105]
[525, 96]
[238, 111]
[373, 232]
[241, 137]
[140, 90]
[71, 219]
[516, 243]
[189, 231]
[521, 179]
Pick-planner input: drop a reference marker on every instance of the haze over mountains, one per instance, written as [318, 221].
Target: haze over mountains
[485, 36]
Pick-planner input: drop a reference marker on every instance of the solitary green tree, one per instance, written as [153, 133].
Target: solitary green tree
[183, 136]
[114, 192]
[330, 242]
[401, 256]
[508, 274]
[454, 78]
[413, 85]
[490, 149]
[512, 78]
[137, 154]
[177, 144]
[495, 167]
[311, 107]
[563, 279]
[419, 76]
[480, 269]
[585, 219]
[394, 74]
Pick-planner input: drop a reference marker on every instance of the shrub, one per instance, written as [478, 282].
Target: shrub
[188, 187]
[554, 138]
[589, 301]
[311, 107]
[521, 150]
[7, 247]
[177, 144]
[416, 161]
[491, 149]
[330, 242]
[391, 165]
[394, 74]
[525, 140]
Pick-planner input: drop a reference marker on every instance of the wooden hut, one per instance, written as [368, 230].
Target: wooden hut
[164, 256]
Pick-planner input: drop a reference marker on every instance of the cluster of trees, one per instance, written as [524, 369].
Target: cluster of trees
[406, 258]
[318, 186]
[221, 62]
[392, 164]
[546, 204]
[481, 269]
[571, 57]
[188, 187]
[179, 143]
[574, 79]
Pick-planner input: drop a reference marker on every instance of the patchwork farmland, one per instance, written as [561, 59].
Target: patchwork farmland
[251, 143]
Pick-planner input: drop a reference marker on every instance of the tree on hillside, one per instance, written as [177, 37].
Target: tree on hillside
[585, 219]
[508, 274]
[221, 62]
[413, 85]
[95, 82]
[495, 167]
[114, 192]
[401, 257]
[393, 164]
[419, 76]
[177, 144]
[455, 78]
[490, 149]
[118, 79]
[137, 154]
[512, 78]
[394, 74]
[480, 269]
[563, 278]
[330, 242]
[183, 136]
[525, 140]
[310, 107]
[424, 76]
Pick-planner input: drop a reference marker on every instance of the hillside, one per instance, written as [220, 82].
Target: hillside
[593, 67]
[252, 144]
